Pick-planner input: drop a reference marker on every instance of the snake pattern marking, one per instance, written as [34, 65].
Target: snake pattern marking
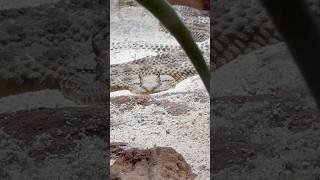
[49, 47]
[237, 27]
[29, 63]
[171, 65]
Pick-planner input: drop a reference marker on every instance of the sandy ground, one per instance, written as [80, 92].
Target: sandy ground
[33, 100]
[148, 124]
[177, 120]
[265, 124]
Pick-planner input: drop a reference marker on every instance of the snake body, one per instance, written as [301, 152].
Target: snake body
[169, 66]
[49, 47]
[40, 51]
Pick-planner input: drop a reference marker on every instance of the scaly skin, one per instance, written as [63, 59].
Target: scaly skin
[237, 27]
[49, 47]
[163, 71]
[241, 26]
[29, 62]
[155, 73]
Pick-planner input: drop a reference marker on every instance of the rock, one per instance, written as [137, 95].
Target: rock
[161, 163]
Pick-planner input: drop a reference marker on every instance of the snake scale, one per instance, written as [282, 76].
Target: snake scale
[40, 50]
[49, 47]
[171, 65]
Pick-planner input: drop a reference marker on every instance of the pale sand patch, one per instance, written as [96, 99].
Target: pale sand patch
[189, 134]
[32, 100]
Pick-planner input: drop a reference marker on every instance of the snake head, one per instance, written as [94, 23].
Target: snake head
[152, 83]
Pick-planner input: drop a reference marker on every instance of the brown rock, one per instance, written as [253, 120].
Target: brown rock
[158, 163]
